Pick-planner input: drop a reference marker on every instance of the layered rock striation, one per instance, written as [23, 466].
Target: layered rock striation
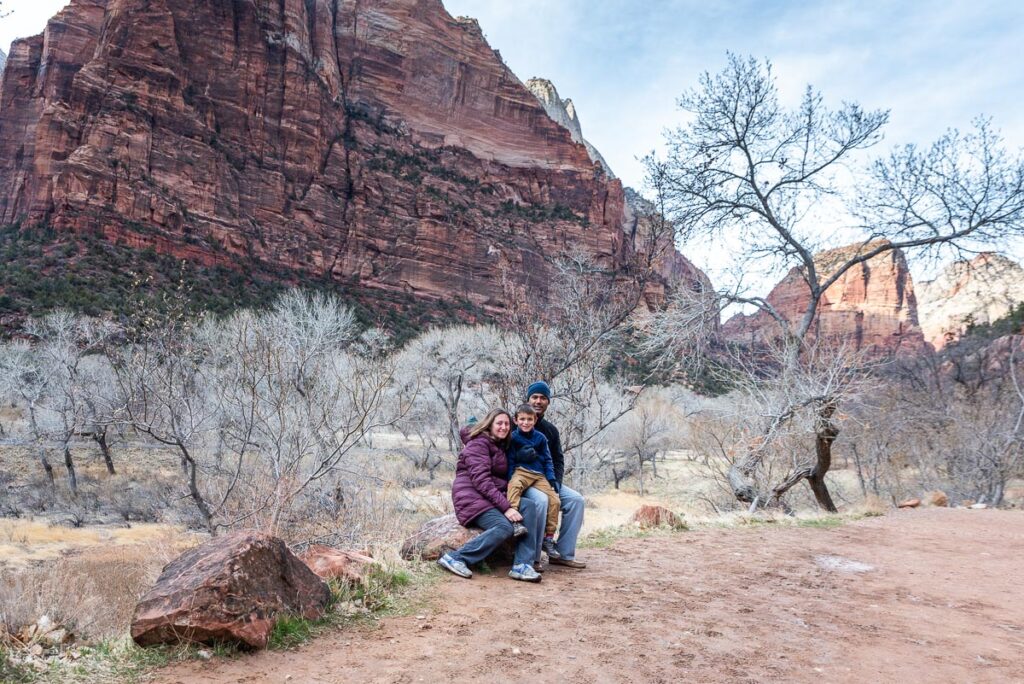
[871, 306]
[379, 143]
[979, 290]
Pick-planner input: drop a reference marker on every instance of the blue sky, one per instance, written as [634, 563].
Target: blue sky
[624, 62]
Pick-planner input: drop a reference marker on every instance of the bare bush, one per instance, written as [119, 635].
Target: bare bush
[954, 422]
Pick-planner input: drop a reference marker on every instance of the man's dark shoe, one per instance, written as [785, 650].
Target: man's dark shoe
[549, 548]
[569, 563]
[518, 530]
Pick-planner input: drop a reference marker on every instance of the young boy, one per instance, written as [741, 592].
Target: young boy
[530, 465]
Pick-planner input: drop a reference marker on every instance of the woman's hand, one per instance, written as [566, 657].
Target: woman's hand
[513, 515]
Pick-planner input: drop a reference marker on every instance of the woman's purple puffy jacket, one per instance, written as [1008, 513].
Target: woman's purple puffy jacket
[480, 482]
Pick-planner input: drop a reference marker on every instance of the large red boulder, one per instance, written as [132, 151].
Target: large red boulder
[330, 563]
[436, 537]
[230, 589]
[439, 535]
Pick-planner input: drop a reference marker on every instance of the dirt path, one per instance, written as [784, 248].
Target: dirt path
[914, 596]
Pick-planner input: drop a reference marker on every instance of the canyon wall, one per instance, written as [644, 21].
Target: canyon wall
[563, 112]
[379, 143]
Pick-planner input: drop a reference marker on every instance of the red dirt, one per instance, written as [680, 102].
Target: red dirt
[942, 602]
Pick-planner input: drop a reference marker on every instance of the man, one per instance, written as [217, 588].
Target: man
[538, 395]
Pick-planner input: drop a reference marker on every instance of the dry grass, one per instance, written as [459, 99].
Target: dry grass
[27, 542]
[92, 589]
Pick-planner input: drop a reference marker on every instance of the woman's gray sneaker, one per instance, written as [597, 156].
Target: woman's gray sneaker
[454, 566]
[524, 573]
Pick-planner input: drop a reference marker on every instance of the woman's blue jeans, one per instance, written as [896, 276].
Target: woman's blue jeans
[497, 529]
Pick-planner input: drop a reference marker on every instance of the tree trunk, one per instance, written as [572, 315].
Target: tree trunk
[826, 435]
[46, 466]
[69, 463]
[101, 439]
[193, 489]
[640, 472]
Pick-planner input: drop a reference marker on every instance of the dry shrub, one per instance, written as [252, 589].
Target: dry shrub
[93, 592]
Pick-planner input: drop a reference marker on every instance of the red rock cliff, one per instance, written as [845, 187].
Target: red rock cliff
[379, 142]
[871, 305]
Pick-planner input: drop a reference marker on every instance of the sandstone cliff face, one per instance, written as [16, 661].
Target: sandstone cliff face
[563, 112]
[381, 143]
[672, 266]
[872, 305]
[981, 290]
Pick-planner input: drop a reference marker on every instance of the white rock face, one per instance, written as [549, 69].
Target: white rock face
[3, 61]
[983, 289]
[563, 112]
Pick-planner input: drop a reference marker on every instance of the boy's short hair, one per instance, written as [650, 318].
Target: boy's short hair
[527, 409]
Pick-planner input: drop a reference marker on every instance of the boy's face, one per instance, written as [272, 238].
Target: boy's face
[525, 421]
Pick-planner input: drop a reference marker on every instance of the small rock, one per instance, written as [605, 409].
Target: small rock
[978, 506]
[36, 650]
[937, 498]
[204, 654]
[347, 566]
[55, 637]
[910, 503]
[656, 516]
[966, 503]
[516, 651]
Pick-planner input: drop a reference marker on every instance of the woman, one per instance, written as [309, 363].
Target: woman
[478, 494]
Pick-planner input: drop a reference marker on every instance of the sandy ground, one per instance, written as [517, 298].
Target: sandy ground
[927, 595]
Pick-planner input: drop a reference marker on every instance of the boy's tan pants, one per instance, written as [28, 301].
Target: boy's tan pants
[523, 479]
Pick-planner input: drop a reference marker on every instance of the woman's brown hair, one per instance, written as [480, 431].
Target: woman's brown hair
[484, 426]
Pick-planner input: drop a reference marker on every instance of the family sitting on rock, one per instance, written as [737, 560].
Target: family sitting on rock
[509, 484]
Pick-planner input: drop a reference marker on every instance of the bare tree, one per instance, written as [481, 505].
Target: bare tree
[27, 382]
[645, 433]
[63, 340]
[298, 388]
[450, 361]
[163, 374]
[747, 169]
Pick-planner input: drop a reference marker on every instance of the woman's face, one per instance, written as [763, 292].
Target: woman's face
[501, 427]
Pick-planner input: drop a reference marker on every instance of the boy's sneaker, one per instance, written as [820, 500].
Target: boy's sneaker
[549, 548]
[518, 530]
[524, 573]
[454, 566]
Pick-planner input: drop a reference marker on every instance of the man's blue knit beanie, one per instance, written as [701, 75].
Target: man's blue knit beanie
[539, 387]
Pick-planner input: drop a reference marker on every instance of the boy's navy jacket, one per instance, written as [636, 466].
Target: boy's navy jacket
[530, 450]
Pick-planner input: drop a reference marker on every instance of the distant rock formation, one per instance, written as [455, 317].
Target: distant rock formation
[980, 290]
[872, 305]
[3, 61]
[563, 112]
